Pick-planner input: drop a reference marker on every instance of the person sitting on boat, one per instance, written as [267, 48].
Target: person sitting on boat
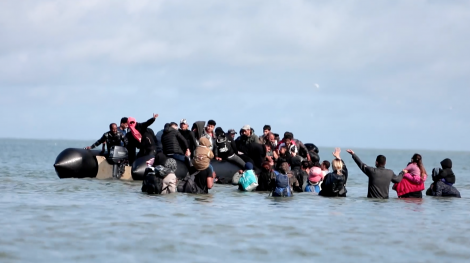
[111, 138]
[174, 144]
[123, 126]
[414, 176]
[141, 137]
[266, 130]
[232, 133]
[226, 148]
[187, 134]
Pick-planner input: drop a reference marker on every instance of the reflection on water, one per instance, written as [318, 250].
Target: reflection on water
[45, 219]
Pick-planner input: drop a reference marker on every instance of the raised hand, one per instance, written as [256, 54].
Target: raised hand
[336, 153]
[155, 116]
[350, 151]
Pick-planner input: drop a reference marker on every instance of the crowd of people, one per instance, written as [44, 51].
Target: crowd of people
[281, 165]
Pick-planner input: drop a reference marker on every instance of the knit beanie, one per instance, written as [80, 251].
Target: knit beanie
[170, 164]
[315, 175]
[248, 166]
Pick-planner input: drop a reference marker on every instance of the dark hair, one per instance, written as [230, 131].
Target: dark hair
[288, 135]
[317, 164]
[419, 162]
[326, 164]
[173, 123]
[267, 127]
[211, 122]
[124, 120]
[111, 125]
[381, 160]
[305, 164]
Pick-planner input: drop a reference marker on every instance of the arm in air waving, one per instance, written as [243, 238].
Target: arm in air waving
[364, 168]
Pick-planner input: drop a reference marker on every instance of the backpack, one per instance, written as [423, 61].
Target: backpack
[188, 185]
[248, 181]
[282, 185]
[334, 183]
[312, 188]
[264, 181]
[152, 184]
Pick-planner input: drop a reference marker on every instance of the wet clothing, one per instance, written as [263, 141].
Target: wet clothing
[440, 188]
[173, 142]
[201, 178]
[265, 180]
[379, 179]
[111, 140]
[445, 174]
[329, 181]
[147, 144]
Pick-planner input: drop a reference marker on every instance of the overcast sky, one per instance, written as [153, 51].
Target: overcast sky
[380, 74]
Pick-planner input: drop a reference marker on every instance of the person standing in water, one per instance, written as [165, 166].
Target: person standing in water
[379, 177]
[414, 176]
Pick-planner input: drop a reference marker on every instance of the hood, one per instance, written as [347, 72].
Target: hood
[199, 126]
[204, 142]
[296, 162]
[446, 163]
[219, 132]
[168, 129]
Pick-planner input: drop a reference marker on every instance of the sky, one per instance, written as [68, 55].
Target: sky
[370, 74]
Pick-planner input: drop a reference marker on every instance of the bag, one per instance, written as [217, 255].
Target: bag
[248, 181]
[282, 186]
[152, 184]
[264, 181]
[188, 185]
[334, 183]
[312, 188]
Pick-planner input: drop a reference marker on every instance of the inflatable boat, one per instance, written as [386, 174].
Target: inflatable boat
[82, 163]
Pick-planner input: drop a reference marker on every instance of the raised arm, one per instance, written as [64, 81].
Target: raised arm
[145, 125]
[364, 168]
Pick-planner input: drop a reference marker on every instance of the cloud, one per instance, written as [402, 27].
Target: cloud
[254, 57]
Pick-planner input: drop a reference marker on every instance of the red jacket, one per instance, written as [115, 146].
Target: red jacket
[405, 186]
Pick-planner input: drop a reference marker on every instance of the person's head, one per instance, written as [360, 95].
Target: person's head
[170, 164]
[268, 147]
[246, 130]
[337, 166]
[266, 129]
[204, 142]
[123, 124]
[248, 166]
[446, 163]
[131, 122]
[305, 165]
[418, 160]
[325, 165]
[174, 125]
[315, 174]
[380, 161]
[283, 150]
[184, 124]
[210, 126]
[271, 139]
[232, 133]
[288, 138]
[288, 134]
[284, 167]
[113, 128]
[266, 166]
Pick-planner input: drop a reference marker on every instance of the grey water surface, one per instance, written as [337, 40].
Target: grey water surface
[47, 219]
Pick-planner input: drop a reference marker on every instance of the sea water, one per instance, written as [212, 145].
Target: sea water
[47, 219]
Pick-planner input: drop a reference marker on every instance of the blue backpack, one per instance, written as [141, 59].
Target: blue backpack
[248, 181]
[312, 188]
[282, 185]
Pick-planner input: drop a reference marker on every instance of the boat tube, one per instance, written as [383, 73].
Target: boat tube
[82, 163]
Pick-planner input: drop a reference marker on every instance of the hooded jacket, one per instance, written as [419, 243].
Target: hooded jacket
[224, 144]
[202, 155]
[446, 174]
[173, 142]
[147, 144]
[199, 132]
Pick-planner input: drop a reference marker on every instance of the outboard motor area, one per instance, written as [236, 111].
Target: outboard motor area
[118, 158]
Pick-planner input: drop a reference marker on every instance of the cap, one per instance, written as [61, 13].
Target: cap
[246, 127]
[232, 131]
[183, 121]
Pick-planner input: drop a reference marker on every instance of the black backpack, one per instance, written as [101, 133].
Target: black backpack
[153, 179]
[334, 183]
[188, 185]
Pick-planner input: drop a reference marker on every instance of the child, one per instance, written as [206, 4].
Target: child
[315, 176]
[325, 167]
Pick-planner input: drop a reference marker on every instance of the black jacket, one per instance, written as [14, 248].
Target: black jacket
[328, 181]
[111, 140]
[190, 139]
[147, 144]
[379, 179]
[445, 173]
[173, 142]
